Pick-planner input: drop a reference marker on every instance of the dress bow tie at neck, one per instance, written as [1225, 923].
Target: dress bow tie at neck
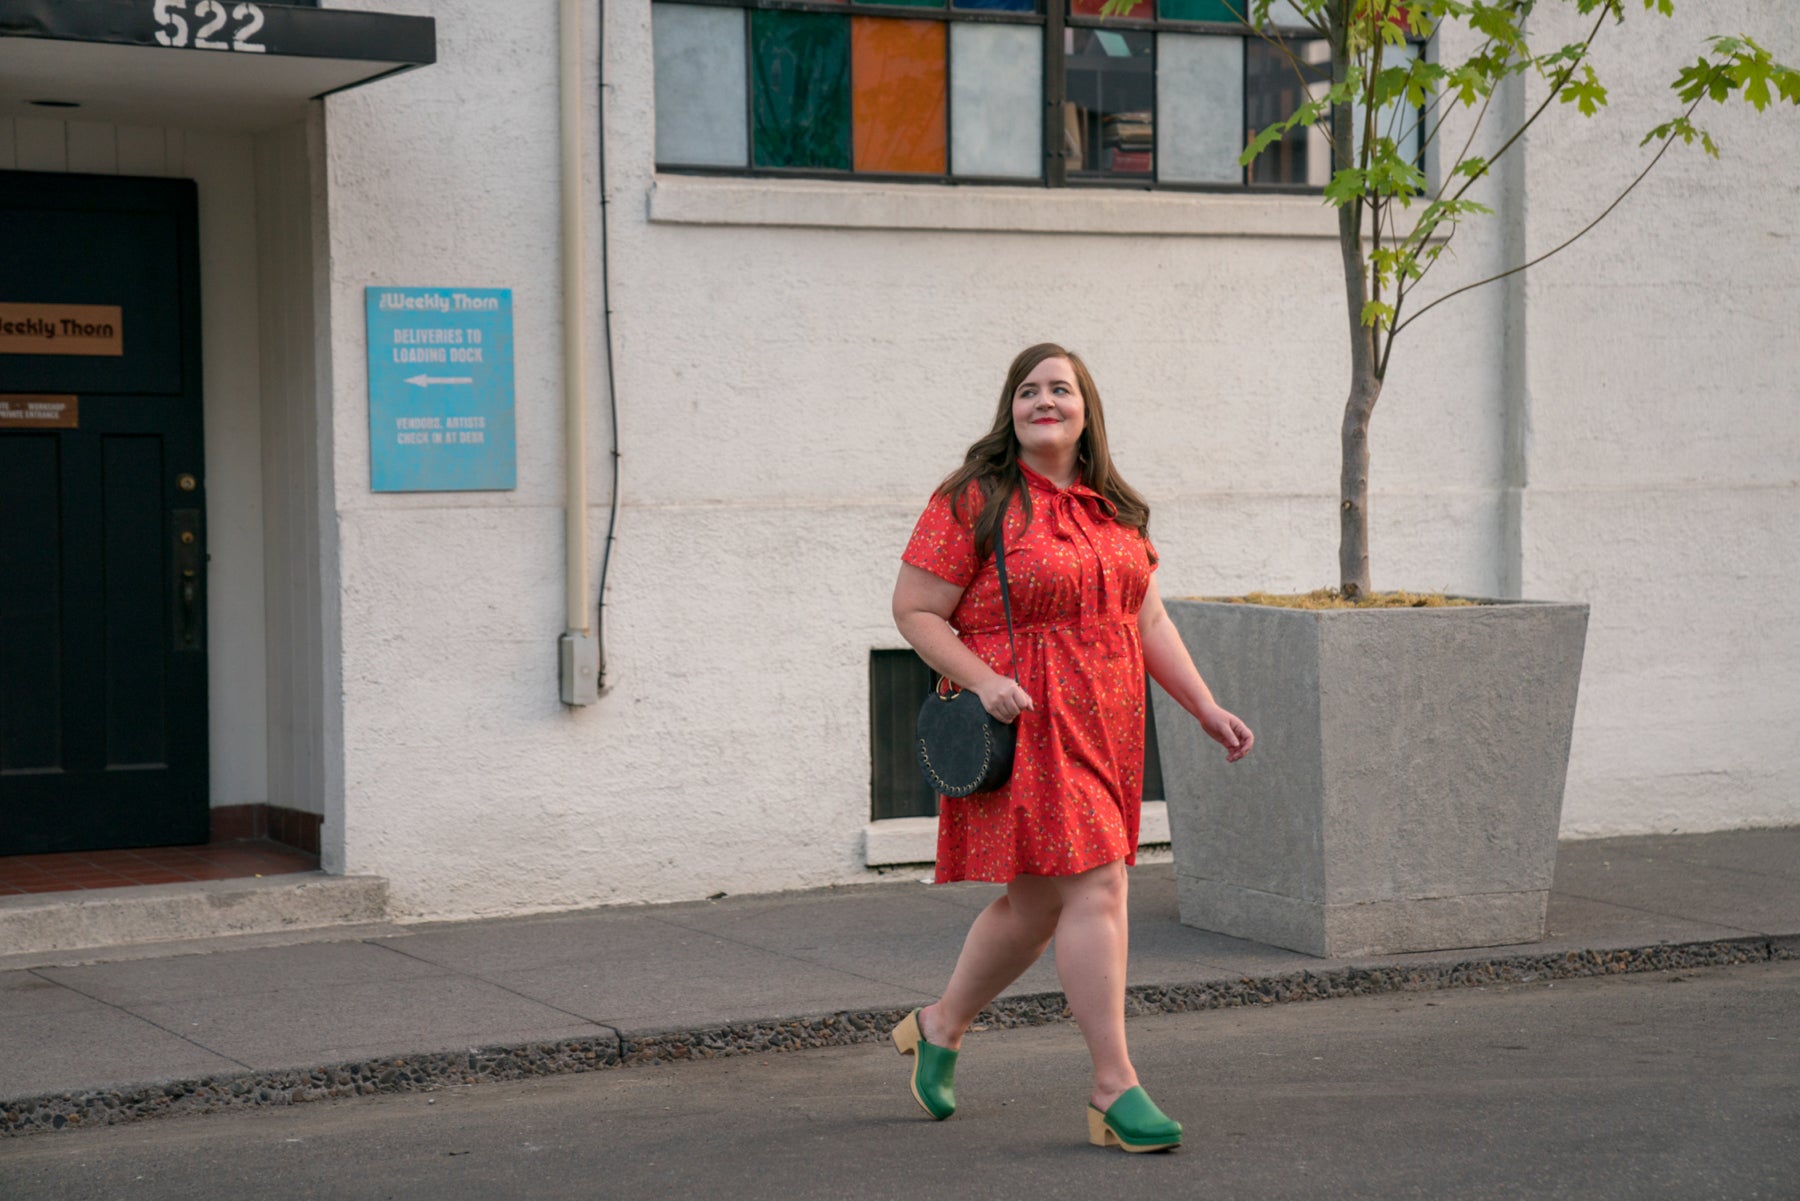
[1060, 505]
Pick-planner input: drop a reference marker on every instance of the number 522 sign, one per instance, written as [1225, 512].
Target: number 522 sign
[206, 25]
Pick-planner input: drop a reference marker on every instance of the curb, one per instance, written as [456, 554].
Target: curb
[431, 1071]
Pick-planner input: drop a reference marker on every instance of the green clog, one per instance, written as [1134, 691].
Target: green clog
[933, 1071]
[1133, 1123]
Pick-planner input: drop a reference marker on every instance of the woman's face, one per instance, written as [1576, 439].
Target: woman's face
[1048, 411]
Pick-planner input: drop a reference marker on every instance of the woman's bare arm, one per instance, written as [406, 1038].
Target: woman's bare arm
[1170, 665]
[922, 606]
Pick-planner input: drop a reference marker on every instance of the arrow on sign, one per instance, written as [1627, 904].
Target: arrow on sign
[425, 381]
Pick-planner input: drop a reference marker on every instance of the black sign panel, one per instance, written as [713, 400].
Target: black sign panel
[227, 27]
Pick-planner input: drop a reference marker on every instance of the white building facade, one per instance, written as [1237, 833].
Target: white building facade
[794, 360]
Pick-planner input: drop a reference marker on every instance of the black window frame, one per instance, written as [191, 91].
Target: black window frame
[1053, 17]
[899, 682]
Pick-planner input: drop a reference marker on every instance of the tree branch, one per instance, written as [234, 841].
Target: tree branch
[1532, 120]
[1668, 141]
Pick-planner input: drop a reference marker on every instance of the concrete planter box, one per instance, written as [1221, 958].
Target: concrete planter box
[1407, 783]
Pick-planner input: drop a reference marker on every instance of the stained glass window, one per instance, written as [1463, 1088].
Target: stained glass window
[700, 86]
[997, 92]
[1226, 12]
[898, 96]
[1200, 100]
[1223, 11]
[1043, 91]
[800, 67]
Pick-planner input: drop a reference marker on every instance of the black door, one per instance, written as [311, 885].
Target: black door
[102, 539]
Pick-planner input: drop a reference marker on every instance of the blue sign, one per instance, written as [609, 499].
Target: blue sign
[440, 389]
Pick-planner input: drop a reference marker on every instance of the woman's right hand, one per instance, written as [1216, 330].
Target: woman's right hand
[1003, 698]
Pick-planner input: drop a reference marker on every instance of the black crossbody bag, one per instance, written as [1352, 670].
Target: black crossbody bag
[961, 748]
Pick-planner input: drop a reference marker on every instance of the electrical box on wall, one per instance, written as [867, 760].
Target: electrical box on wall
[580, 668]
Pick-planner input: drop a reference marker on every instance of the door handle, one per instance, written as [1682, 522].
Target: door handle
[190, 627]
[188, 589]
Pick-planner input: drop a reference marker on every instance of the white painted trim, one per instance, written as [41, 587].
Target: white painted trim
[703, 200]
[914, 839]
[1153, 824]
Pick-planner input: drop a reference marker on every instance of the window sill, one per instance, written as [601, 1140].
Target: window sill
[701, 200]
[914, 839]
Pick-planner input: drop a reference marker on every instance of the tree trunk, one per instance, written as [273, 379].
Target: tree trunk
[1365, 387]
[1353, 482]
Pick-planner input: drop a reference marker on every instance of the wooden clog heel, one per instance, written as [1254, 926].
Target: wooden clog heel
[1133, 1123]
[933, 1070]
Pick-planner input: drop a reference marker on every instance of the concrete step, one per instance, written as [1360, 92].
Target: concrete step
[41, 923]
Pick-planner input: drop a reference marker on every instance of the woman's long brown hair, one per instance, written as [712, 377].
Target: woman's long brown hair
[992, 462]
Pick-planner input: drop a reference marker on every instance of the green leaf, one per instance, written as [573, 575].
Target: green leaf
[1756, 91]
[1345, 186]
[1495, 22]
[1474, 167]
[1308, 113]
[1586, 92]
[1683, 128]
[1751, 73]
[1391, 175]
[1376, 313]
[1265, 136]
[1693, 82]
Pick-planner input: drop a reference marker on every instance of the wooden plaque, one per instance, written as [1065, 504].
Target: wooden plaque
[24, 411]
[91, 329]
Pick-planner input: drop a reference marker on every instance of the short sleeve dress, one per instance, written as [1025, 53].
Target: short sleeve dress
[1077, 579]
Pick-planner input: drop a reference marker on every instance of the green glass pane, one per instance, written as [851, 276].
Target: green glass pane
[1201, 10]
[801, 65]
[906, 3]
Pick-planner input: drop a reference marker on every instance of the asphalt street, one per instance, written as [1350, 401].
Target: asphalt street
[1683, 1085]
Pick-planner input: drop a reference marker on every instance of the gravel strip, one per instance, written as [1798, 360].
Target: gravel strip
[427, 1072]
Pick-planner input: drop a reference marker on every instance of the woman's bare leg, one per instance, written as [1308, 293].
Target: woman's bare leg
[1007, 937]
[1091, 942]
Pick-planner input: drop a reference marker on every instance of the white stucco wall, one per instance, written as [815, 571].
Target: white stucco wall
[1665, 439]
[220, 164]
[794, 375]
[788, 397]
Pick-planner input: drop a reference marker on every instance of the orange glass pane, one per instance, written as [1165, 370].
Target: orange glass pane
[897, 73]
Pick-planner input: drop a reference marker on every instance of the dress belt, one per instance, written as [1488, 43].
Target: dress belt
[1044, 627]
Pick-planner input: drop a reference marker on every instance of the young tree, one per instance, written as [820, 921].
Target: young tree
[1393, 228]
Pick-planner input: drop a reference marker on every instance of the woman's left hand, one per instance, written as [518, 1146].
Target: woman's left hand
[1229, 731]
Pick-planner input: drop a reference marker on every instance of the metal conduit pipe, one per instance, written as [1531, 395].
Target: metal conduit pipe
[606, 341]
[578, 650]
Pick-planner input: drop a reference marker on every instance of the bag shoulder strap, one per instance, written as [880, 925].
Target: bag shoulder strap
[1005, 593]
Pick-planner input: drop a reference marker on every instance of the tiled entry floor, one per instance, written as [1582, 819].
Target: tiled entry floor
[150, 865]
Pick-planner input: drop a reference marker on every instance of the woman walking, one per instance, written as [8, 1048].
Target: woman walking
[1061, 831]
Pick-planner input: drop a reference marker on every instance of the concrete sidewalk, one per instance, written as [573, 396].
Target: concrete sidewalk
[96, 1037]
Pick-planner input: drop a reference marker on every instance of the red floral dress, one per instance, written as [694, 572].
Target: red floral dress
[1077, 579]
